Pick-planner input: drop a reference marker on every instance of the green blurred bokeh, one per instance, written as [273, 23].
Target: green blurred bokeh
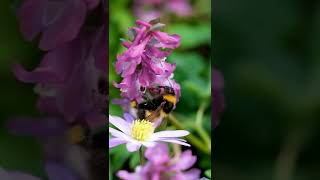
[17, 98]
[268, 52]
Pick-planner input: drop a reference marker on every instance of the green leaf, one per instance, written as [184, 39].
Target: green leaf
[134, 160]
[192, 35]
[197, 87]
[120, 157]
[110, 172]
[208, 173]
[188, 65]
[115, 110]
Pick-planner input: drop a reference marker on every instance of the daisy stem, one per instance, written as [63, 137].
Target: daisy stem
[141, 156]
[195, 141]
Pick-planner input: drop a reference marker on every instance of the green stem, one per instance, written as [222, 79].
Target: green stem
[141, 156]
[199, 115]
[191, 138]
[199, 128]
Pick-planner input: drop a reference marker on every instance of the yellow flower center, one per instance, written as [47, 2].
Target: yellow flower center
[141, 130]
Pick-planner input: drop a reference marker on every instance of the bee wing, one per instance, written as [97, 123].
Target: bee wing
[155, 114]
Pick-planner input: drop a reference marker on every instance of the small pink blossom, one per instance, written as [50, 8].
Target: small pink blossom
[161, 167]
[152, 9]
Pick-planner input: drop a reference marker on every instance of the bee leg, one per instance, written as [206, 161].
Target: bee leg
[141, 113]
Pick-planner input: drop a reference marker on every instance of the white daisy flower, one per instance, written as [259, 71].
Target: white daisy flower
[141, 132]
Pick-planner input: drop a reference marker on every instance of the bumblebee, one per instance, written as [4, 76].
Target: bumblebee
[94, 143]
[160, 101]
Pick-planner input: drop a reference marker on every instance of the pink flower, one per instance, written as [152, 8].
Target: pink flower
[63, 159]
[69, 83]
[152, 9]
[57, 21]
[161, 167]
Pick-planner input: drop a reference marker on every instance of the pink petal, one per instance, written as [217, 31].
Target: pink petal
[30, 16]
[186, 161]
[158, 154]
[66, 28]
[17, 176]
[120, 123]
[92, 3]
[166, 40]
[139, 22]
[192, 174]
[38, 75]
[55, 67]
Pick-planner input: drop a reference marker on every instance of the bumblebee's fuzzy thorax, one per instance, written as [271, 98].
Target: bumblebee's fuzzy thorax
[170, 98]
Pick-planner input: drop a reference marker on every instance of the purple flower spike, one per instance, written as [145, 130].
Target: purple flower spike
[143, 63]
[128, 61]
[69, 83]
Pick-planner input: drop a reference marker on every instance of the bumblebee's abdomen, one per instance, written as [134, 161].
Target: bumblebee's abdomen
[168, 106]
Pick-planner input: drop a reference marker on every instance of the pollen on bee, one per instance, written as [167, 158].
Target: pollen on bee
[141, 130]
[133, 104]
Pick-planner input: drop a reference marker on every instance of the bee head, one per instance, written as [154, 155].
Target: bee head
[169, 90]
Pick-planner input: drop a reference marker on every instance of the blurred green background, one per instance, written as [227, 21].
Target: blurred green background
[269, 54]
[17, 99]
[193, 71]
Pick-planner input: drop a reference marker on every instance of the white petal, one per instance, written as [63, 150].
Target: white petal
[165, 134]
[115, 142]
[119, 134]
[120, 124]
[133, 147]
[159, 139]
[175, 141]
[149, 143]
